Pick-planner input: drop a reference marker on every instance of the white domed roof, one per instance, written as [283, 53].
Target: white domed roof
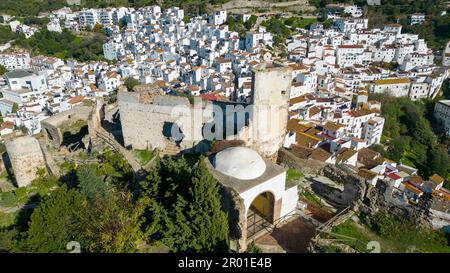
[239, 162]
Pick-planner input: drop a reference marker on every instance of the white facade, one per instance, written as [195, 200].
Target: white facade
[15, 61]
[395, 87]
[54, 26]
[417, 19]
[88, 17]
[442, 113]
[21, 79]
[349, 55]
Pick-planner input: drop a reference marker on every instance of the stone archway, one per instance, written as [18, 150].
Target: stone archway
[260, 214]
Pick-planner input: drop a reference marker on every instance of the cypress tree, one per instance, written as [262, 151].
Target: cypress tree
[208, 221]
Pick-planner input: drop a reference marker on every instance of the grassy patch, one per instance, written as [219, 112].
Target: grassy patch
[292, 175]
[394, 235]
[406, 236]
[75, 127]
[9, 199]
[311, 197]
[300, 22]
[143, 156]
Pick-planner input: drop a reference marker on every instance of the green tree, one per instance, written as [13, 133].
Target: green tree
[2, 70]
[423, 133]
[210, 223]
[53, 223]
[8, 240]
[231, 22]
[188, 207]
[253, 248]
[91, 184]
[98, 28]
[130, 83]
[397, 147]
[438, 161]
[112, 225]
[250, 23]
[15, 108]
[391, 127]
[6, 35]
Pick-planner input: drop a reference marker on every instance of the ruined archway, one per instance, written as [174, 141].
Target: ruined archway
[260, 214]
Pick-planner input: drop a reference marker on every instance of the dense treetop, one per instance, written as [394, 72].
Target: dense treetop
[35, 7]
[101, 206]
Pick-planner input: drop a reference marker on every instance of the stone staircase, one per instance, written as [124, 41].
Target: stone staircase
[171, 149]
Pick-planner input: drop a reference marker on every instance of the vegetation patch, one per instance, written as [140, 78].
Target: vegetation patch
[7, 219]
[6, 35]
[413, 136]
[393, 234]
[311, 197]
[143, 156]
[65, 45]
[293, 175]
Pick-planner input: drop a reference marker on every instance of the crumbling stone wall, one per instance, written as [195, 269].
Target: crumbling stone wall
[354, 186]
[54, 126]
[26, 158]
[307, 166]
[378, 199]
[96, 115]
[233, 204]
[143, 120]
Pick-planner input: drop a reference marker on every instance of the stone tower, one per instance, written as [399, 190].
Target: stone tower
[271, 85]
[26, 157]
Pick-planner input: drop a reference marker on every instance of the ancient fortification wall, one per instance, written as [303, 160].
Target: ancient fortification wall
[146, 111]
[54, 126]
[143, 123]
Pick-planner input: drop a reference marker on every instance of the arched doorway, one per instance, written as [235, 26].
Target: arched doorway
[260, 214]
